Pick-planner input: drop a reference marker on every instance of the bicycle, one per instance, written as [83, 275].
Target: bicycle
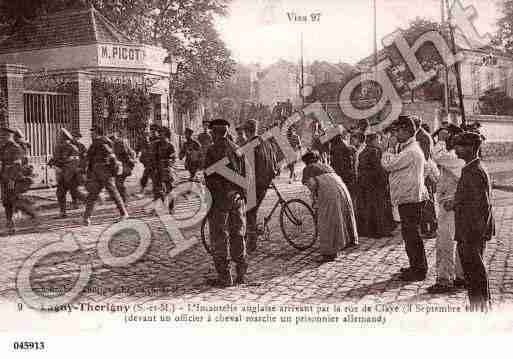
[294, 211]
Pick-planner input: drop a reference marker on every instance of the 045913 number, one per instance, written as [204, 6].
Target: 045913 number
[29, 345]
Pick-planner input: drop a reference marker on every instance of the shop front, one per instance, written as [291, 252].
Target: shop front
[75, 70]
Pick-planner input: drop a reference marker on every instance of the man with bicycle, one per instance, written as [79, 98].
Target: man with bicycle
[227, 219]
[266, 168]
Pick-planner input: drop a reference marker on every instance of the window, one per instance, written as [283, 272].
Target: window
[476, 83]
[490, 79]
[504, 78]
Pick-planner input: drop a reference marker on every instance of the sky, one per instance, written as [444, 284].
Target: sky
[344, 31]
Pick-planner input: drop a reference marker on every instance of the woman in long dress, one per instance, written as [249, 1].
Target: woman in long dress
[335, 213]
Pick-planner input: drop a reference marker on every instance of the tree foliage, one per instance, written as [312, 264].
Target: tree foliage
[504, 35]
[184, 27]
[427, 55]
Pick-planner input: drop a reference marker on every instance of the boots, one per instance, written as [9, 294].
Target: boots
[11, 227]
[241, 269]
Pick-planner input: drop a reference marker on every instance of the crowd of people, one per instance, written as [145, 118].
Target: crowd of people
[433, 185]
[362, 184]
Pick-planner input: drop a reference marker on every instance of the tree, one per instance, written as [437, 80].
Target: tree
[504, 35]
[427, 55]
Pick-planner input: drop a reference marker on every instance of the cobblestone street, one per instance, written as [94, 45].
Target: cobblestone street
[284, 274]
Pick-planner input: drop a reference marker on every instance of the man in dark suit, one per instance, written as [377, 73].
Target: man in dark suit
[474, 222]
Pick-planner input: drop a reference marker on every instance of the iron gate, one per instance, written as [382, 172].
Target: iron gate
[45, 114]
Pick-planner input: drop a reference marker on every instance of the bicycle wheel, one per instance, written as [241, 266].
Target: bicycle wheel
[298, 224]
[205, 235]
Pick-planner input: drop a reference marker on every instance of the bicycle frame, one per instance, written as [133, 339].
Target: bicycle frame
[279, 202]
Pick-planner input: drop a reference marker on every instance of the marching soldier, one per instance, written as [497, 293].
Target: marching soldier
[145, 149]
[126, 156]
[227, 220]
[191, 150]
[102, 169]
[67, 160]
[18, 138]
[15, 179]
[164, 157]
[82, 149]
[205, 139]
[473, 218]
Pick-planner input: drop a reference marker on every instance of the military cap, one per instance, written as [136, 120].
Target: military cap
[189, 130]
[154, 127]
[206, 122]
[468, 139]
[404, 121]
[219, 122]
[310, 156]
[76, 134]
[66, 133]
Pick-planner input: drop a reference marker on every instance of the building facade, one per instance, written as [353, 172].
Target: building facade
[52, 73]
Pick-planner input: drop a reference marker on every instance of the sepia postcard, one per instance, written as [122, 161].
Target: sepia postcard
[177, 174]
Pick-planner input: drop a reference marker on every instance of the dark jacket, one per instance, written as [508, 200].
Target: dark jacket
[371, 174]
[473, 214]
[343, 159]
[222, 189]
[266, 163]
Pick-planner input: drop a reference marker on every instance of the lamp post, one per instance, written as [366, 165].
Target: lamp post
[174, 62]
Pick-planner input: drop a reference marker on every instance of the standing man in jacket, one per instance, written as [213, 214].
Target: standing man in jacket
[408, 192]
[474, 221]
[226, 219]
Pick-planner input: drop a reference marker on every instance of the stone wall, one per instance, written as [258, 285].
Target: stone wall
[491, 150]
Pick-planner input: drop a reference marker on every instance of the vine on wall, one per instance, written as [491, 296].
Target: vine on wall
[3, 107]
[111, 101]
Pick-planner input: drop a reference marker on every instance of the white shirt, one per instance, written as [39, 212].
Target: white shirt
[357, 159]
[406, 173]
[450, 169]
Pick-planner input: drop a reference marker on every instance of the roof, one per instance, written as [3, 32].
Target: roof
[461, 45]
[64, 28]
